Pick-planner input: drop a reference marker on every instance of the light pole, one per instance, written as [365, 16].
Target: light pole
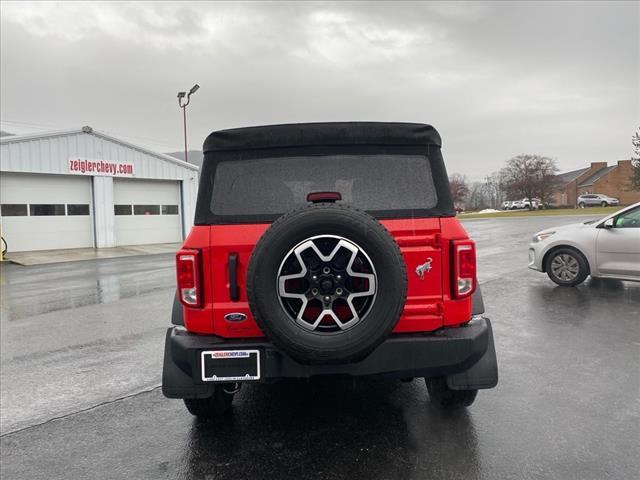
[183, 106]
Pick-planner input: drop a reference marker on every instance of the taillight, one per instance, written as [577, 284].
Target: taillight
[464, 268]
[188, 271]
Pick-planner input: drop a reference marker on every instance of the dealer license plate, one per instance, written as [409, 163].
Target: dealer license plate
[230, 365]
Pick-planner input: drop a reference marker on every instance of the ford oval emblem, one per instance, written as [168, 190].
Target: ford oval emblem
[235, 317]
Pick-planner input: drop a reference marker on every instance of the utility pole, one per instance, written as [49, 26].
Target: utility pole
[183, 105]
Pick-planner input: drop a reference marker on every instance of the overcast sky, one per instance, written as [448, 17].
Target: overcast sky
[496, 79]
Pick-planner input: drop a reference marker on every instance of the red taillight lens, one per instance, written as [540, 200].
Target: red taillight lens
[188, 272]
[464, 268]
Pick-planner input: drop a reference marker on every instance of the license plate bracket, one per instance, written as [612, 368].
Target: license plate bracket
[230, 365]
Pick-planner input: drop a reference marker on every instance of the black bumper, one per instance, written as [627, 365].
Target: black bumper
[465, 355]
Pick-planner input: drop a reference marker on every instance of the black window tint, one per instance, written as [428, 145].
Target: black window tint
[146, 209]
[122, 209]
[77, 209]
[170, 209]
[13, 210]
[271, 186]
[46, 209]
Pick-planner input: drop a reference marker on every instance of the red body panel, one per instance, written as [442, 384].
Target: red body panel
[429, 304]
[419, 240]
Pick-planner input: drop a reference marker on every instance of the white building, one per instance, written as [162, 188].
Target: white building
[83, 188]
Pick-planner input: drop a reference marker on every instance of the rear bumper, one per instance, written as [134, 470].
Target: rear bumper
[465, 355]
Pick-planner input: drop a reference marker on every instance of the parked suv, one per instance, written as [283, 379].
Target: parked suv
[595, 199]
[525, 203]
[326, 249]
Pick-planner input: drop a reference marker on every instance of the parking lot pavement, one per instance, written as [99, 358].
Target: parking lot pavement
[566, 405]
[76, 334]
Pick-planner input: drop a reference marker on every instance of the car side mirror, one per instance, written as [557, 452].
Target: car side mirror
[608, 223]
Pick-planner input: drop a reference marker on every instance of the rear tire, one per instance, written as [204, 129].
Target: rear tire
[216, 405]
[571, 258]
[445, 397]
[581, 204]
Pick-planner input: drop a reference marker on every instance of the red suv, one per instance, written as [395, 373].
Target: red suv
[326, 249]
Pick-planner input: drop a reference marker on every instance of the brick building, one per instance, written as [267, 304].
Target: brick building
[601, 178]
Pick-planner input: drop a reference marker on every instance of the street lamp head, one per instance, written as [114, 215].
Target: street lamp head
[181, 94]
[194, 89]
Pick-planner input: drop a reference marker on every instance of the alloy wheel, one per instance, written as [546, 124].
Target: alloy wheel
[327, 284]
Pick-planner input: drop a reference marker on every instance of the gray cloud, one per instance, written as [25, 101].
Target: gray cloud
[497, 79]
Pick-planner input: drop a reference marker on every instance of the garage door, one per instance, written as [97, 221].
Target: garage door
[45, 212]
[146, 211]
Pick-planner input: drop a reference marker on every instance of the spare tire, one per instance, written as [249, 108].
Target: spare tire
[326, 283]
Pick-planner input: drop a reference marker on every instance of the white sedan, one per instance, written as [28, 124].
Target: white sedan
[605, 248]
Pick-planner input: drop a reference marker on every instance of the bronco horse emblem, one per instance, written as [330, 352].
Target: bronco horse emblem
[424, 268]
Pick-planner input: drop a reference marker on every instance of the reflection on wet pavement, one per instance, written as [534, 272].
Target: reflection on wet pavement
[30, 291]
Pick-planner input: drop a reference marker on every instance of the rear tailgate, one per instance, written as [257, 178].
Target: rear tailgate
[420, 242]
[231, 247]
[228, 241]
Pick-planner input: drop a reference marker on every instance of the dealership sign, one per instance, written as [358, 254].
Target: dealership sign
[81, 166]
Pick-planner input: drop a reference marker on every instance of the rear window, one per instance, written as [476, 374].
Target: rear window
[271, 186]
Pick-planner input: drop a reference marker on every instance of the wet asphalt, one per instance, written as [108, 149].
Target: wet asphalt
[81, 348]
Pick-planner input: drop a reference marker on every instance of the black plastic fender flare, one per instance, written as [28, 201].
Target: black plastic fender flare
[477, 304]
[176, 312]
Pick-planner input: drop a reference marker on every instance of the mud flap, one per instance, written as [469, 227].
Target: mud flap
[483, 374]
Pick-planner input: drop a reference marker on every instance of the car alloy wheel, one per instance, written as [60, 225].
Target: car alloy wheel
[327, 284]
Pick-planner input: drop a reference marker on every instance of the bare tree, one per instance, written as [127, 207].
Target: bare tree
[459, 188]
[546, 170]
[476, 199]
[529, 176]
[493, 190]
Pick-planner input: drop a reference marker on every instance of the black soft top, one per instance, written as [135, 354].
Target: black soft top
[322, 140]
[322, 134]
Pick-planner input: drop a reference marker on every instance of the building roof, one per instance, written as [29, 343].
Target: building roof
[90, 131]
[323, 134]
[599, 174]
[569, 177]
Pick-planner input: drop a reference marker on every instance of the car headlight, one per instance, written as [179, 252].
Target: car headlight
[539, 237]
